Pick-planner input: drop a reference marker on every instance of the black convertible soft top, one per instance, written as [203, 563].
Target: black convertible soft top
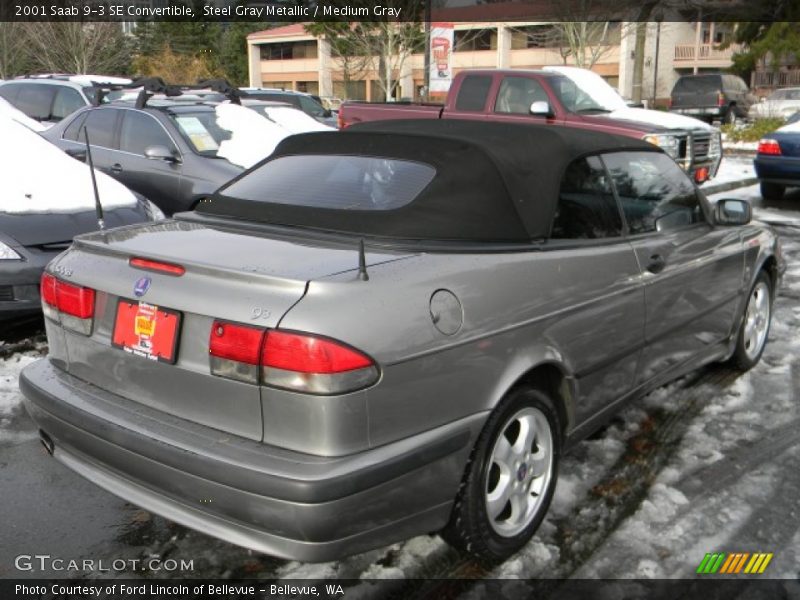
[494, 182]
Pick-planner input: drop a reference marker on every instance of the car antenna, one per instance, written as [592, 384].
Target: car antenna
[362, 262]
[98, 207]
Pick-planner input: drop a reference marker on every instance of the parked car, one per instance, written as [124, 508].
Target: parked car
[47, 198]
[392, 330]
[777, 162]
[557, 96]
[174, 152]
[713, 96]
[781, 103]
[309, 104]
[50, 98]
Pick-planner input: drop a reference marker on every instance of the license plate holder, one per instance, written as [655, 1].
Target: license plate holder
[146, 330]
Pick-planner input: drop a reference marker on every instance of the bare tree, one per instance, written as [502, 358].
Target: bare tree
[383, 47]
[69, 47]
[14, 50]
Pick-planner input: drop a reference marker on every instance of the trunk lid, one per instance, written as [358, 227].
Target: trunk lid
[229, 275]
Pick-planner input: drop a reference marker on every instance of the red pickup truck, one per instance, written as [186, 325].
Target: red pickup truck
[557, 95]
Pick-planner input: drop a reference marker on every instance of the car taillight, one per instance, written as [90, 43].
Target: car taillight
[720, 99]
[288, 360]
[235, 351]
[156, 265]
[312, 364]
[771, 147]
[71, 305]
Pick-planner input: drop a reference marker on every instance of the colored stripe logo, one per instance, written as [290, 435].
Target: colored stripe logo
[734, 563]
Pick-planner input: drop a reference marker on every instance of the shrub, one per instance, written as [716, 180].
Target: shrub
[752, 132]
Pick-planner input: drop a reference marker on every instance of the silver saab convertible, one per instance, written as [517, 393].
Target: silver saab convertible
[391, 330]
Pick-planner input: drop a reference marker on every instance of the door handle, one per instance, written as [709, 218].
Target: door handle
[656, 264]
[116, 168]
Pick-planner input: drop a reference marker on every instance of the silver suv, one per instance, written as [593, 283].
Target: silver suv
[50, 98]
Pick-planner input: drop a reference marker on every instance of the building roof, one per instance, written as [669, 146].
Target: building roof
[285, 30]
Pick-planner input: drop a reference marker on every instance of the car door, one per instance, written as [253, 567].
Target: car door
[692, 272]
[101, 126]
[601, 328]
[514, 98]
[158, 180]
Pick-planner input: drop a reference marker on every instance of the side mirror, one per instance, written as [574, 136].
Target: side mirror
[540, 108]
[733, 211]
[77, 153]
[327, 113]
[160, 153]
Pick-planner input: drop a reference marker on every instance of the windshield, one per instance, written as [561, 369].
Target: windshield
[232, 132]
[581, 91]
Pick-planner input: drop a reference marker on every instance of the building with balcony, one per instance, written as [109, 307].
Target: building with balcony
[289, 57]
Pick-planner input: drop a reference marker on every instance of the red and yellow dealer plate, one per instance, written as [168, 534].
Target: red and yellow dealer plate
[147, 330]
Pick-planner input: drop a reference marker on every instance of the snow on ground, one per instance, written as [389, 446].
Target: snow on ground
[708, 463]
[66, 185]
[10, 398]
[732, 168]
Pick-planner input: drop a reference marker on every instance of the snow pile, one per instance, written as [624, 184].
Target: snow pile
[606, 96]
[593, 86]
[790, 128]
[63, 185]
[7, 111]
[10, 396]
[253, 137]
[293, 120]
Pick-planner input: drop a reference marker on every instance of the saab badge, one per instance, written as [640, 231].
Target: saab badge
[141, 286]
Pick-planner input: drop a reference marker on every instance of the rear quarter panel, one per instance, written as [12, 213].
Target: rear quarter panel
[519, 310]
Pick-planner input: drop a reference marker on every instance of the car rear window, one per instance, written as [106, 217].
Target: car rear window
[698, 84]
[473, 93]
[334, 182]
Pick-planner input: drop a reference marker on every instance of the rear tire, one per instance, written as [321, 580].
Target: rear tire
[509, 479]
[730, 116]
[754, 330]
[772, 191]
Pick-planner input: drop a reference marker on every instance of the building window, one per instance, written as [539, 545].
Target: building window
[475, 39]
[288, 50]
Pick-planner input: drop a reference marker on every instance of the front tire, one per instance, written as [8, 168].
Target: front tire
[754, 330]
[772, 191]
[509, 480]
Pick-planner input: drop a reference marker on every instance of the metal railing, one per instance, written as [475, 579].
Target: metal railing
[704, 52]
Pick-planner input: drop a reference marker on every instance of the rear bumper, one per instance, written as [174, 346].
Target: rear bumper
[778, 169]
[700, 111]
[280, 502]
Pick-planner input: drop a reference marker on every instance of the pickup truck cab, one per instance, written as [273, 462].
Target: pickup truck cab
[558, 96]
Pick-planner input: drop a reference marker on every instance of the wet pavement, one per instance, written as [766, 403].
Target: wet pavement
[657, 458]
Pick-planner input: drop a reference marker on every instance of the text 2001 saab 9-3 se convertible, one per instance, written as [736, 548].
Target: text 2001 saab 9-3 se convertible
[252, 371]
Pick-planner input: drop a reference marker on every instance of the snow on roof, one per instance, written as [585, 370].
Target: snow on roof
[107, 79]
[40, 178]
[293, 120]
[7, 111]
[253, 137]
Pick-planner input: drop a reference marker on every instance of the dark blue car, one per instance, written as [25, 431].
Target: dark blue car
[777, 163]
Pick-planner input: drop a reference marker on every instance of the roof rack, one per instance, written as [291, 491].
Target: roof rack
[152, 86]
